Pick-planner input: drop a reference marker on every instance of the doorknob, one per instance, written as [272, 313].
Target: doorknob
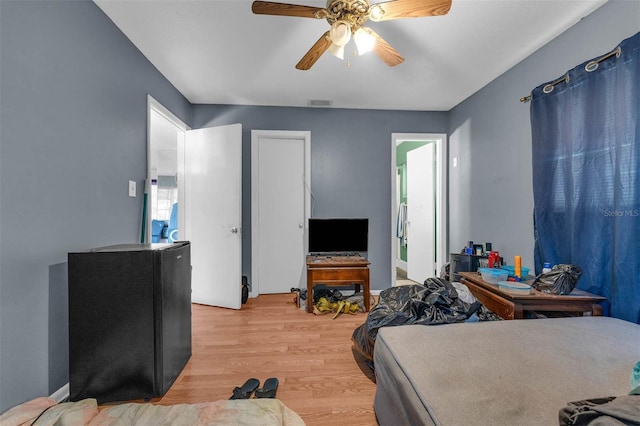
[300, 226]
[234, 230]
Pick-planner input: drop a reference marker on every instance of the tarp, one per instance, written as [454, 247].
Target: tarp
[434, 303]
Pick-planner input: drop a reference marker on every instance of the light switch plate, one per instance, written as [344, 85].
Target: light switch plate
[132, 188]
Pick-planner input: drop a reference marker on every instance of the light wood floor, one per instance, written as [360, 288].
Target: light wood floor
[311, 356]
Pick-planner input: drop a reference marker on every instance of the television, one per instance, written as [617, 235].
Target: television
[338, 235]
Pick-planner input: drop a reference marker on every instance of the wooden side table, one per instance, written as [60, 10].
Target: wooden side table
[510, 306]
[338, 271]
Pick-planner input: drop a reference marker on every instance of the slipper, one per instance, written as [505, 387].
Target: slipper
[246, 390]
[269, 388]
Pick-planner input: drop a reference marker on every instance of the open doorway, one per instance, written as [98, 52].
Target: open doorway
[165, 133]
[419, 224]
[204, 166]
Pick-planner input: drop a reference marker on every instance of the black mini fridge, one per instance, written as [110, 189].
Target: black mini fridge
[129, 320]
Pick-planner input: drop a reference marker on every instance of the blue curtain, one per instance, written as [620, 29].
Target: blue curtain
[586, 175]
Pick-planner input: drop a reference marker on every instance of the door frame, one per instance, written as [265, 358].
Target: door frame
[440, 140]
[256, 135]
[154, 105]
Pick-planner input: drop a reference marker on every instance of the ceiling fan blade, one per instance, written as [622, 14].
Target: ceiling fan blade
[384, 50]
[398, 9]
[284, 9]
[315, 52]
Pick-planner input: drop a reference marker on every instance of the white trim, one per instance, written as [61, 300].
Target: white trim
[61, 394]
[255, 188]
[440, 140]
[160, 109]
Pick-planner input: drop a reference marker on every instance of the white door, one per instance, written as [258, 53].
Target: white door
[279, 180]
[421, 217]
[213, 213]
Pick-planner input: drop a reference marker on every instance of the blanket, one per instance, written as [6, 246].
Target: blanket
[608, 411]
[45, 412]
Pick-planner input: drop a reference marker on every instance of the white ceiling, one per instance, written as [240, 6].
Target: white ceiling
[219, 52]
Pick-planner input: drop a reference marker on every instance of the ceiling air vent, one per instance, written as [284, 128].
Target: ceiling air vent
[319, 103]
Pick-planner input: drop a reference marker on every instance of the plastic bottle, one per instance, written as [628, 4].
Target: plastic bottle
[546, 268]
[497, 263]
[492, 259]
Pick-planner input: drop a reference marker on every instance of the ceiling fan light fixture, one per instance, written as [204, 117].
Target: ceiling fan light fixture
[376, 12]
[340, 33]
[364, 41]
[337, 51]
[347, 17]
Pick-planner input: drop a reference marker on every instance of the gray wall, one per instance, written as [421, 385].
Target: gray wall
[350, 164]
[491, 193]
[73, 132]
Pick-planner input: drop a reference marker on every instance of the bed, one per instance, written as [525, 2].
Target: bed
[45, 411]
[500, 373]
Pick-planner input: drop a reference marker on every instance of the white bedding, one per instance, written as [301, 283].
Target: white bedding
[247, 412]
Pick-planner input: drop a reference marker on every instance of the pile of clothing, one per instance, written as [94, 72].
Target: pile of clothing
[332, 301]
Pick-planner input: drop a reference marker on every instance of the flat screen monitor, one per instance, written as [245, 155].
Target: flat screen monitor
[338, 235]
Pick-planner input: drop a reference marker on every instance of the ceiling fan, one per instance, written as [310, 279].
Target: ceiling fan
[347, 18]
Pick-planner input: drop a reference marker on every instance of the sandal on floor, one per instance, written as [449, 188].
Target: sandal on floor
[246, 390]
[269, 389]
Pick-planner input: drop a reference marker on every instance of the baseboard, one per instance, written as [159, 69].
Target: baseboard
[345, 293]
[61, 394]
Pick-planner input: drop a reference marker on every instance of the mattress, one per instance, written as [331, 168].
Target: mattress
[500, 372]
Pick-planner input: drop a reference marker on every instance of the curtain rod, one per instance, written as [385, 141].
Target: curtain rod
[590, 67]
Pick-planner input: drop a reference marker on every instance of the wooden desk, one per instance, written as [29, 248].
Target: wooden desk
[338, 271]
[510, 306]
